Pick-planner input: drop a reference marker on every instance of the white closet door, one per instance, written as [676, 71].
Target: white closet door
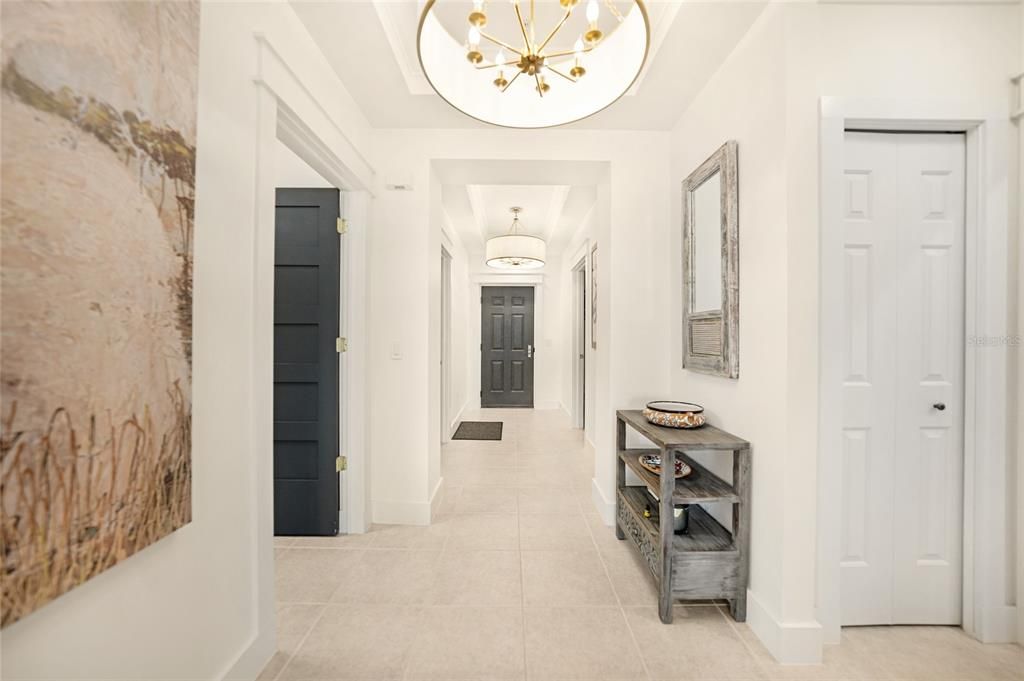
[902, 354]
[869, 377]
[928, 517]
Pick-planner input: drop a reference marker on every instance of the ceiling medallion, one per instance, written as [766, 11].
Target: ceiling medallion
[530, 64]
[515, 251]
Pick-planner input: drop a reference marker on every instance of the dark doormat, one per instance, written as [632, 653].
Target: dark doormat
[478, 430]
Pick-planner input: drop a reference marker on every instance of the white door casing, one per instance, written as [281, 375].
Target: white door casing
[902, 456]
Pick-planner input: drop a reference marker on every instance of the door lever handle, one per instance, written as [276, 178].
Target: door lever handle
[939, 406]
[529, 351]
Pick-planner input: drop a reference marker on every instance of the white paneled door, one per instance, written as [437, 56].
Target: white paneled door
[903, 378]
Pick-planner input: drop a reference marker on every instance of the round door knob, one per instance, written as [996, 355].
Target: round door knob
[939, 405]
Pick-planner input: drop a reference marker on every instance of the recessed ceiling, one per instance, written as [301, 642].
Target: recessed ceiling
[477, 194]
[372, 48]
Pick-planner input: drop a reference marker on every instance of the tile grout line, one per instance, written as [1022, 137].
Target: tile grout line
[522, 576]
[301, 642]
[618, 599]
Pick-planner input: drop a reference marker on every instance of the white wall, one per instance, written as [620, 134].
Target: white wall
[292, 171]
[577, 248]
[766, 97]
[462, 317]
[189, 606]
[1019, 405]
[405, 301]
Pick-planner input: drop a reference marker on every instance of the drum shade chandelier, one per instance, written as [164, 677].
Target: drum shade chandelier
[532, 63]
[515, 251]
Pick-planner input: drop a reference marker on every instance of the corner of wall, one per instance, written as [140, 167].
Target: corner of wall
[795, 643]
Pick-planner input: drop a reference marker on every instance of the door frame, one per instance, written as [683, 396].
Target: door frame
[536, 281]
[318, 139]
[986, 227]
[446, 344]
[578, 279]
[532, 374]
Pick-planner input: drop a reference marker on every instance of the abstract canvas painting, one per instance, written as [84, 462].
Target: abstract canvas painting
[98, 182]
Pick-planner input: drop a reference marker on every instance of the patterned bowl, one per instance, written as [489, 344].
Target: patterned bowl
[675, 414]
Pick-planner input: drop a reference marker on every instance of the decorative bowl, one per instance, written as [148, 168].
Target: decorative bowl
[673, 414]
[652, 462]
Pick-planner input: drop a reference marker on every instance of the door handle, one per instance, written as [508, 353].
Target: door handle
[529, 351]
[939, 406]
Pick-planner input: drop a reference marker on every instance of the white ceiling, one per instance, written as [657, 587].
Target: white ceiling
[372, 47]
[477, 195]
[552, 212]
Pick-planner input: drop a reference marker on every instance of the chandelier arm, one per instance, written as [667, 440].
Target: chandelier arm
[533, 21]
[522, 27]
[540, 90]
[502, 43]
[556, 71]
[565, 53]
[555, 30]
[614, 10]
[496, 65]
[518, 73]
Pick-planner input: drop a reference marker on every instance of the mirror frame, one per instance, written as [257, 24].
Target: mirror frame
[711, 338]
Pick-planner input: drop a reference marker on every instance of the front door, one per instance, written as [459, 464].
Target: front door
[306, 323]
[903, 384]
[506, 347]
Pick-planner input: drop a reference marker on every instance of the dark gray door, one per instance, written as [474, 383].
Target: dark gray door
[506, 346]
[306, 322]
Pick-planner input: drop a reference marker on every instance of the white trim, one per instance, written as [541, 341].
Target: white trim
[792, 643]
[446, 339]
[324, 146]
[403, 48]
[387, 512]
[985, 399]
[577, 338]
[454, 423]
[435, 498]
[514, 279]
[355, 385]
[605, 508]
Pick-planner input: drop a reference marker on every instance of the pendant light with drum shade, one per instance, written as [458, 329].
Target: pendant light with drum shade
[515, 251]
[532, 63]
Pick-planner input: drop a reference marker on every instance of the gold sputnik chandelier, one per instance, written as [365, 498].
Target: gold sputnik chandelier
[578, 56]
[533, 58]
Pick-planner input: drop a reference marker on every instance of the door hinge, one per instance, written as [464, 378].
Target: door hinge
[340, 464]
[341, 344]
[342, 225]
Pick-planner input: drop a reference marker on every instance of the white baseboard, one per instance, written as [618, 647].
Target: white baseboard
[407, 512]
[251, 661]
[788, 642]
[605, 508]
[455, 422]
[1000, 625]
[401, 512]
[435, 498]
[549, 404]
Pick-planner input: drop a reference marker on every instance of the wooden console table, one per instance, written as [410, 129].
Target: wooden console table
[709, 561]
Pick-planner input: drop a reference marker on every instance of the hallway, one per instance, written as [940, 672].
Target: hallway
[518, 578]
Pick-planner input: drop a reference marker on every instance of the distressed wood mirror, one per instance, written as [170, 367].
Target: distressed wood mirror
[711, 266]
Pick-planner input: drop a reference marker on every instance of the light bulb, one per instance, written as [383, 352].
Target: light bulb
[578, 48]
[478, 5]
[474, 37]
[593, 11]
[500, 57]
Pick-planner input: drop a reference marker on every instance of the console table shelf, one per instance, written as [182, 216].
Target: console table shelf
[708, 561]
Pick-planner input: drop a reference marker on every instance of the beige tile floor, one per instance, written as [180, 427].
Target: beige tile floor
[518, 579]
